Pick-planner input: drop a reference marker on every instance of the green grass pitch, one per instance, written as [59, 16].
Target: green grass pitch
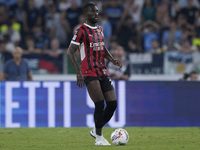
[79, 139]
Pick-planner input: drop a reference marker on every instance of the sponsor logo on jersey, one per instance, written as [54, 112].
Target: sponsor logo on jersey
[97, 46]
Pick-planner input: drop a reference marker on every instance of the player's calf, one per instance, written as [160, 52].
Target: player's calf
[98, 117]
[109, 110]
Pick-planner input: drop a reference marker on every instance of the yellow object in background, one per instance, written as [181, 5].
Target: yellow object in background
[196, 42]
[4, 28]
[16, 27]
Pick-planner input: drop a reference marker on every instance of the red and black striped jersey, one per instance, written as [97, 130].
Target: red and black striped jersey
[92, 50]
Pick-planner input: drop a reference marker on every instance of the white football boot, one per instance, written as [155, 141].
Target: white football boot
[93, 133]
[100, 140]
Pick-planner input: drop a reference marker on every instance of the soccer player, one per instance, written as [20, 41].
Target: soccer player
[89, 39]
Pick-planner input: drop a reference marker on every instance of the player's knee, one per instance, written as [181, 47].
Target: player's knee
[99, 106]
[112, 105]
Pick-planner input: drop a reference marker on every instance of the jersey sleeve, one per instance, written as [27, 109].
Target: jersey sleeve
[78, 37]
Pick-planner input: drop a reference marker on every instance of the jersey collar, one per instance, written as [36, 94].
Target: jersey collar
[90, 26]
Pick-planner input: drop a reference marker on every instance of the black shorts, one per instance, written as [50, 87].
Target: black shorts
[105, 82]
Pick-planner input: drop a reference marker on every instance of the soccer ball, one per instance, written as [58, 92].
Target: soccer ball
[119, 136]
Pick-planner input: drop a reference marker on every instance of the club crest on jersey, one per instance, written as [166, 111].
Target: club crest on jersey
[101, 33]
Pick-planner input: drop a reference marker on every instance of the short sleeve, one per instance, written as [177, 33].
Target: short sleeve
[78, 37]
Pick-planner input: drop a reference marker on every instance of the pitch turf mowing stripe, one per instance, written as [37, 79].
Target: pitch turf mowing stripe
[79, 139]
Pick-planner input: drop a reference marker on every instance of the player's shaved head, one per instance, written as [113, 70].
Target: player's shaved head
[91, 13]
[87, 6]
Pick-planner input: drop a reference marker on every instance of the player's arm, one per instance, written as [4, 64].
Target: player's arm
[71, 53]
[109, 57]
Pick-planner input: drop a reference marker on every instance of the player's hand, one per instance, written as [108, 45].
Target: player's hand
[117, 63]
[80, 80]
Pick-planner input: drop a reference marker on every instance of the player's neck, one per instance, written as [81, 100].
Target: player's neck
[90, 24]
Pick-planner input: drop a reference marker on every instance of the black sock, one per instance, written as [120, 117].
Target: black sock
[109, 110]
[98, 117]
[99, 131]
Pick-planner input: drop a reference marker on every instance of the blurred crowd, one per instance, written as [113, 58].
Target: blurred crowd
[136, 26]
[152, 26]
